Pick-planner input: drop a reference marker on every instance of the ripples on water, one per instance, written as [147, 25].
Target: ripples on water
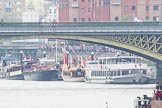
[33, 94]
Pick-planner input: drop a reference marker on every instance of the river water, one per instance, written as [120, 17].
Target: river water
[59, 94]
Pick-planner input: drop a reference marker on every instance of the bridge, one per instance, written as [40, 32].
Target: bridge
[140, 38]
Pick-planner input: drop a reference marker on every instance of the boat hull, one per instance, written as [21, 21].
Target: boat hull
[126, 79]
[15, 77]
[73, 79]
[131, 79]
[43, 75]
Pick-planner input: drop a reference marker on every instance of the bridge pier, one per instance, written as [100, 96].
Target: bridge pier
[159, 73]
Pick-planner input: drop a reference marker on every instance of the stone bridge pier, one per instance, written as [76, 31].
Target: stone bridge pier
[159, 73]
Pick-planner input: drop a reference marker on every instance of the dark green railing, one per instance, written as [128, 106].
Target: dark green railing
[79, 24]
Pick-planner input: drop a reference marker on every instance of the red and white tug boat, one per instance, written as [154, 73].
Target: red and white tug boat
[151, 102]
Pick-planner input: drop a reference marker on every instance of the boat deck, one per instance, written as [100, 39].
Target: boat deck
[156, 104]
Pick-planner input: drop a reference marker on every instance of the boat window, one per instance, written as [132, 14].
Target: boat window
[104, 61]
[93, 73]
[111, 73]
[94, 62]
[100, 61]
[96, 73]
[107, 74]
[104, 73]
[127, 60]
[130, 71]
[118, 73]
[107, 61]
[138, 60]
[114, 61]
[125, 72]
[114, 72]
[99, 73]
[144, 71]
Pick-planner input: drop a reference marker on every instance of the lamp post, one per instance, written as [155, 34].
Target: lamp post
[44, 53]
[21, 60]
[67, 59]
[92, 56]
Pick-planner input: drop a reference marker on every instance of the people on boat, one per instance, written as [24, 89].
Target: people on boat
[158, 91]
[144, 102]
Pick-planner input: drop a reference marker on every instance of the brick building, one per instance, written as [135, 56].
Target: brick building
[63, 10]
[84, 10]
[141, 10]
[110, 10]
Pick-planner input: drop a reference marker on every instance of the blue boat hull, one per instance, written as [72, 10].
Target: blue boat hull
[43, 75]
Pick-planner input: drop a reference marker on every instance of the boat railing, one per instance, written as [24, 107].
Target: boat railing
[38, 68]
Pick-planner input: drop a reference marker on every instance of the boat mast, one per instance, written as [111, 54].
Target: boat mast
[56, 51]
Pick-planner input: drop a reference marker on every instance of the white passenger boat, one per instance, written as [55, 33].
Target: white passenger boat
[118, 69]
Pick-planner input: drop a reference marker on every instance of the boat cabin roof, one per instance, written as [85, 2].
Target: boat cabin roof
[118, 57]
[92, 62]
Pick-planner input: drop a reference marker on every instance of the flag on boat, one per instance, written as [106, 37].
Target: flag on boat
[83, 63]
[30, 58]
[89, 58]
[64, 59]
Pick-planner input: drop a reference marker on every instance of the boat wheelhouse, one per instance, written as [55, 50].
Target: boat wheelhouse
[11, 69]
[73, 74]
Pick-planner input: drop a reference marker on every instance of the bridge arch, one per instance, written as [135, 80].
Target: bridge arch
[155, 57]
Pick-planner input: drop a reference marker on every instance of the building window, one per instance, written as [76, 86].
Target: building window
[99, 2]
[89, 10]
[75, 0]
[147, 8]
[74, 19]
[89, 0]
[155, 18]
[125, 8]
[133, 8]
[106, 2]
[64, 4]
[82, 0]
[116, 18]
[54, 11]
[83, 19]
[83, 10]
[155, 7]
[89, 19]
